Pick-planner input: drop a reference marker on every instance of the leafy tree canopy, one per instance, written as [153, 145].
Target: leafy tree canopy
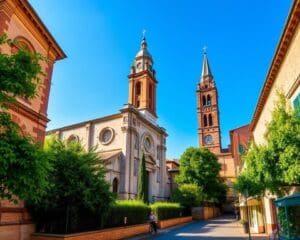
[275, 164]
[188, 195]
[77, 182]
[201, 167]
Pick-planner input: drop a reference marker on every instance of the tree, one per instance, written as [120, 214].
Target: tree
[188, 195]
[201, 167]
[23, 165]
[275, 164]
[78, 193]
[143, 181]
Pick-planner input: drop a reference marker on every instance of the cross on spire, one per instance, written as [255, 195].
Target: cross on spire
[144, 33]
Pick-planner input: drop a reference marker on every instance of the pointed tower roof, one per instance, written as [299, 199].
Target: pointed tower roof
[205, 67]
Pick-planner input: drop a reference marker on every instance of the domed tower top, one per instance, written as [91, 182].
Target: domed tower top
[143, 59]
[143, 52]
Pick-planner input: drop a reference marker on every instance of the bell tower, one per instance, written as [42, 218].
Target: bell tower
[142, 83]
[208, 110]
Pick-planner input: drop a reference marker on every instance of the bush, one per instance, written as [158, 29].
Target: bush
[166, 210]
[188, 195]
[135, 211]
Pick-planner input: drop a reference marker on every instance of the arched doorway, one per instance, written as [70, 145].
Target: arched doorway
[115, 184]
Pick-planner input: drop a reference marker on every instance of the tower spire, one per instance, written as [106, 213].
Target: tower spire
[205, 67]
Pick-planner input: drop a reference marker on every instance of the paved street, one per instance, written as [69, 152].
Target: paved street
[223, 228]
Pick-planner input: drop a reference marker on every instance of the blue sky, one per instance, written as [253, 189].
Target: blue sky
[102, 37]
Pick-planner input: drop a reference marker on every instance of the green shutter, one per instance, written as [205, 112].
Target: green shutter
[296, 104]
[241, 149]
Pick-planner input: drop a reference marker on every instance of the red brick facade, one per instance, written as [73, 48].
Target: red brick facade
[19, 21]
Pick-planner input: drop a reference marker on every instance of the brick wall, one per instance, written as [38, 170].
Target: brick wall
[174, 221]
[108, 234]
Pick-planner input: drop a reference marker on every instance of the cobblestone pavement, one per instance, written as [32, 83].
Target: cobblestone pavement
[222, 228]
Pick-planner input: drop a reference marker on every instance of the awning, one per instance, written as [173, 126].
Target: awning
[291, 200]
[250, 202]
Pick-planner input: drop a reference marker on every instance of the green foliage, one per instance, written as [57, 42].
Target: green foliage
[188, 195]
[276, 163]
[19, 74]
[77, 186]
[166, 210]
[283, 141]
[201, 167]
[289, 225]
[143, 182]
[135, 211]
[24, 166]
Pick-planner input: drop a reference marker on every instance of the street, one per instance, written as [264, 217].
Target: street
[224, 227]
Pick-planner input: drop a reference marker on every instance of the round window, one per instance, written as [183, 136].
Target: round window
[106, 136]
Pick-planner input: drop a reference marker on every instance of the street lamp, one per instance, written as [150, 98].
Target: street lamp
[246, 196]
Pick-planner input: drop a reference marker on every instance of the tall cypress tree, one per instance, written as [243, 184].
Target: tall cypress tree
[143, 181]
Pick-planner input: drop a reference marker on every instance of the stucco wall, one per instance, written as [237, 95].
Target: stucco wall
[287, 75]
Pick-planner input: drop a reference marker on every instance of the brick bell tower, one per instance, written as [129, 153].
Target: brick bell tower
[208, 110]
[142, 83]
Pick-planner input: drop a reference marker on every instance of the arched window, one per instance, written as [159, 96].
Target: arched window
[210, 120]
[203, 100]
[150, 95]
[115, 184]
[205, 121]
[72, 139]
[208, 102]
[138, 93]
[138, 89]
[22, 43]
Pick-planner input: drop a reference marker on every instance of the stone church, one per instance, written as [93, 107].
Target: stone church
[209, 133]
[122, 138]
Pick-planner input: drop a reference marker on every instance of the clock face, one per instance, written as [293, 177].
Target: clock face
[208, 139]
[139, 65]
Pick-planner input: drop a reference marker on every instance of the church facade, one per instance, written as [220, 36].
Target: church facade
[122, 138]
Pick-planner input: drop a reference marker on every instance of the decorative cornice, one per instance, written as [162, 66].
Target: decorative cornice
[145, 121]
[29, 113]
[24, 10]
[282, 48]
[140, 74]
[82, 124]
[295, 85]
